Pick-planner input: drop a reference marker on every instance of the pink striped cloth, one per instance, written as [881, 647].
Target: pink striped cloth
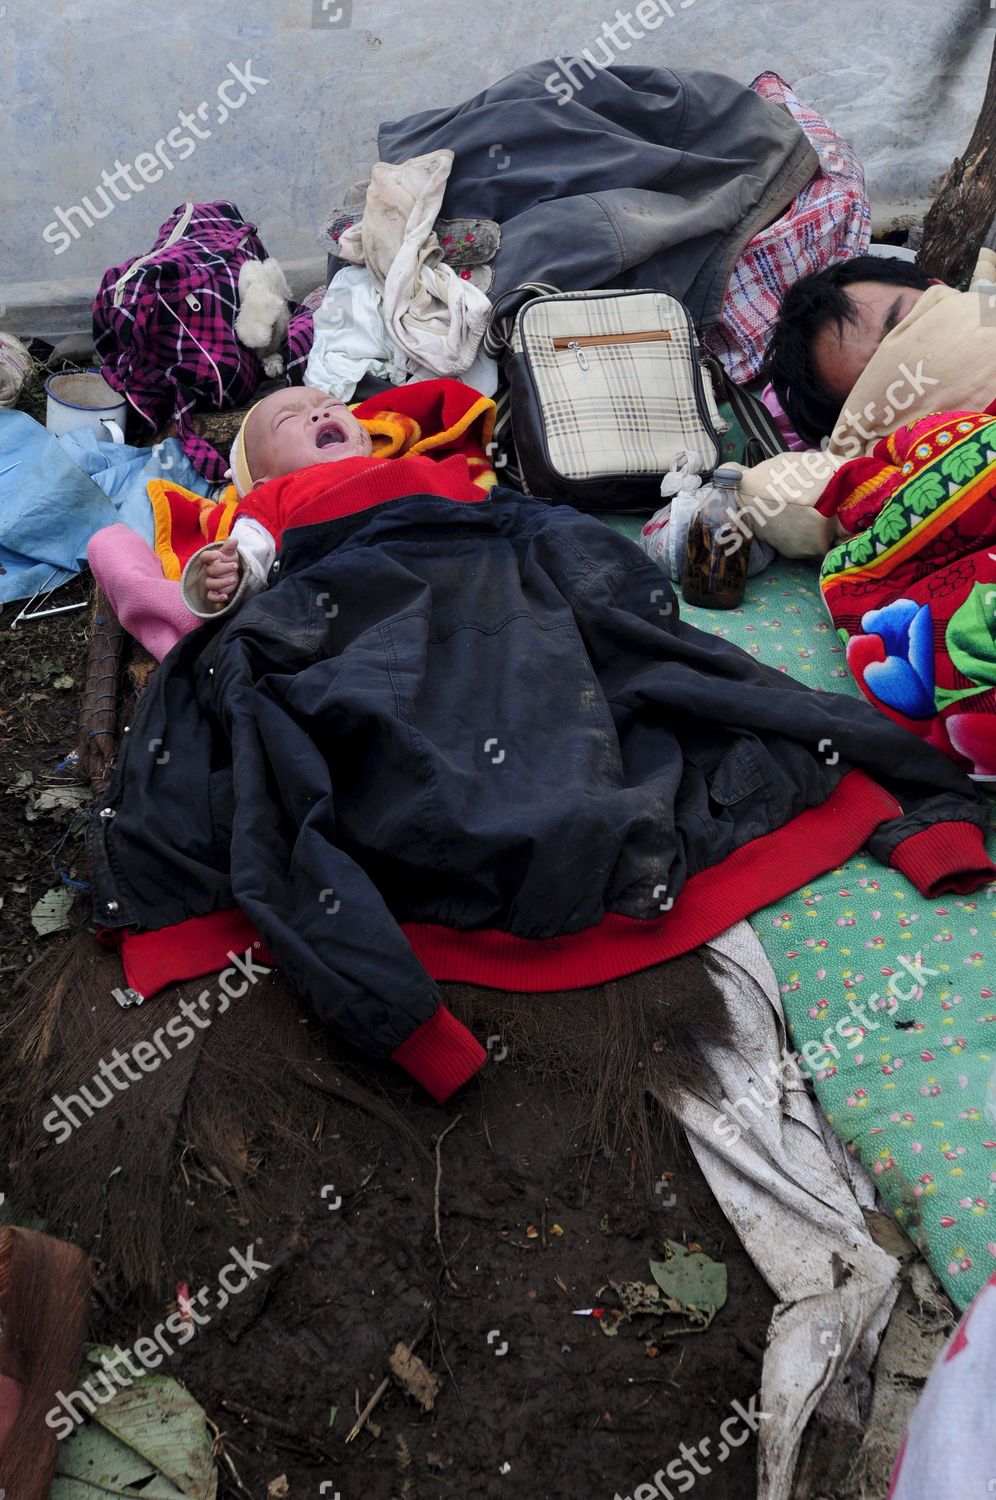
[829, 221]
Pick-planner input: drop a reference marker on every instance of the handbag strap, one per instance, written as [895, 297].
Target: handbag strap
[176, 233]
[762, 431]
[498, 335]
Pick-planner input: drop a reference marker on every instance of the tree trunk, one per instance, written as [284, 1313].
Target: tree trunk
[961, 214]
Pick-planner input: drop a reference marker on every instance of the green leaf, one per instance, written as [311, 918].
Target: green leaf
[51, 912]
[963, 462]
[890, 524]
[92, 1465]
[150, 1440]
[970, 635]
[861, 550]
[694, 1280]
[925, 492]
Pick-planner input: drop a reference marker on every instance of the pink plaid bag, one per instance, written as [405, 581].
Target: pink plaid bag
[828, 222]
[164, 325]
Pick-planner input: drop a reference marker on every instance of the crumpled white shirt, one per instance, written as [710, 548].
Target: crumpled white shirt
[432, 313]
[351, 337]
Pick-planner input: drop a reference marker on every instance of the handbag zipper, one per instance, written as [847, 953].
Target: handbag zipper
[695, 350]
[578, 344]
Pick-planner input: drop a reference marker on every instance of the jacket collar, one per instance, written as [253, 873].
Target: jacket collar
[303, 544]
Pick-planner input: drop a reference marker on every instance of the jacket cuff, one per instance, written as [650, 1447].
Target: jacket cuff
[946, 857]
[441, 1055]
[194, 594]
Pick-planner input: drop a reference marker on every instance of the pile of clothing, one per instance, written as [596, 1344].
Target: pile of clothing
[689, 182]
[685, 182]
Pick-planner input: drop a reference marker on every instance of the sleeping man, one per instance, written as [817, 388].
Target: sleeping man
[860, 350]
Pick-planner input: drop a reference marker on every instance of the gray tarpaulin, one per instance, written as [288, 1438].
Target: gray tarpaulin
[89, 86]
[788, 1194]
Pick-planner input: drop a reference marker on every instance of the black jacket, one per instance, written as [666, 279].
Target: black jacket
[639, 177]
[488, 722]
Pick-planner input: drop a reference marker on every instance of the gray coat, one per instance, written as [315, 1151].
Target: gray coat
[643, 177]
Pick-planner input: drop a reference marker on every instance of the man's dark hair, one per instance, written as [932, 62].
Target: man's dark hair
[809, 306]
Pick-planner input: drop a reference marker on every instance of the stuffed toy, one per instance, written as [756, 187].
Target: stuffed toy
[263, 316]
[15, 367]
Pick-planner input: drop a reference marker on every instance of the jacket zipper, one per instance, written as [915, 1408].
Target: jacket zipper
[578, 344]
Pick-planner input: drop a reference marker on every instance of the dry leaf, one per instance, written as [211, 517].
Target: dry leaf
[414, 1376]
[51, 912]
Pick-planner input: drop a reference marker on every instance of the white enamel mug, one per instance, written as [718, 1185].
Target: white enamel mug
[82, 398]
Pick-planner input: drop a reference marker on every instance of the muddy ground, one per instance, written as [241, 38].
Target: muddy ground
[534, 1401]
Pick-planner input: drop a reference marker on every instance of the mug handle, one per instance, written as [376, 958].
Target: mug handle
[117, 436]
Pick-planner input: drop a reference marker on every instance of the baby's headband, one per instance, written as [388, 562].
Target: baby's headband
[239, 471]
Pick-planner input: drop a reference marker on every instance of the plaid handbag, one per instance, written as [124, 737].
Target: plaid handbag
[606, 389]
[164, 326]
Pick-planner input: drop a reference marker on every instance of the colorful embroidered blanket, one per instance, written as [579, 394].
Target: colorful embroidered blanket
[912, 592]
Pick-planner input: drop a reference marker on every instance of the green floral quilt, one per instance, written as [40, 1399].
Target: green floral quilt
[908, 1081]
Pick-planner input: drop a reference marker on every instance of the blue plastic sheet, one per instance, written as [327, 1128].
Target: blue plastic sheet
[56, 492]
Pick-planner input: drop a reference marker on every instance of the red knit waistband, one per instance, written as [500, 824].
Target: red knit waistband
[952, 857]
[713, 900]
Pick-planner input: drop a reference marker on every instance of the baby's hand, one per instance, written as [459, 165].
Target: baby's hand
[221, 573]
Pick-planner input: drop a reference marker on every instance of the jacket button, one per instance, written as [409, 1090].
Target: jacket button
[111, 906]
[108, 812]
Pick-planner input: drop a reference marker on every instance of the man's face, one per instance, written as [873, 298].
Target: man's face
[840, 356]
[296, 428]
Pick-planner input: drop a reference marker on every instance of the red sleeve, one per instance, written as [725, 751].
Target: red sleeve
[946, 857]
[857, 492]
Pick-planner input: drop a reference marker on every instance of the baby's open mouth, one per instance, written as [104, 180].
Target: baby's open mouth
[330, 434]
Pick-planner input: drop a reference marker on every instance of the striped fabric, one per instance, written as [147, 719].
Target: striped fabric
[623, 408]
[164, 326]
[828, 222]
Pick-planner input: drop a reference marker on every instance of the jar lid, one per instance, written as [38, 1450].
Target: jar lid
[727, 476]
